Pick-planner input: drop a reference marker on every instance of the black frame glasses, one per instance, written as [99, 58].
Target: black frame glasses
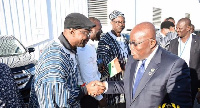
[136, 44]
[119, 22]
[85, 32]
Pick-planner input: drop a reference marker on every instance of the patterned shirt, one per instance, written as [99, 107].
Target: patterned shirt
[55, 82]
[9, 93]
[108, 49]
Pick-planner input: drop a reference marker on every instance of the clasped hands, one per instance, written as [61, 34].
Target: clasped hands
[95, 88]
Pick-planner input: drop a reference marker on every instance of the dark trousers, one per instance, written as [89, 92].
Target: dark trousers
[89, 102]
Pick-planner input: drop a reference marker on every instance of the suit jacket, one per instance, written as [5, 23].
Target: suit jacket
[194, 62]
[165, 41]
[166, 74]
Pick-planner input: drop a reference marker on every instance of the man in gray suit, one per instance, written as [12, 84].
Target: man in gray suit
[153, 75]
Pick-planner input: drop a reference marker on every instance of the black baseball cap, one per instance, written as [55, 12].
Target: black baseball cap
[77, 21]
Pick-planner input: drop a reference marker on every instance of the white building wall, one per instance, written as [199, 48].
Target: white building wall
[127, 7]
[36, 22]
[178, 8]
[137, 11]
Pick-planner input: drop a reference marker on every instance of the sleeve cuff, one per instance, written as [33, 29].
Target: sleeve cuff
[106, 84]
[99, 97]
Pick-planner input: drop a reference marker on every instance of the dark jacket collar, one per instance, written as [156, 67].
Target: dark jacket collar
[66, 43]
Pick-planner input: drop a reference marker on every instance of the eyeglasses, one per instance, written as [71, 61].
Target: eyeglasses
[136, 44]
[119, 22]
[87, 33]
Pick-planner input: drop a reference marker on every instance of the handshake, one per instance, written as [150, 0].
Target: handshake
[95, 88]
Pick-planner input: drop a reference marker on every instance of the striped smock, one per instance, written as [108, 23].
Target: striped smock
[55, 81]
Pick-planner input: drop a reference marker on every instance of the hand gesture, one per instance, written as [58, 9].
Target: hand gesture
[95, 88]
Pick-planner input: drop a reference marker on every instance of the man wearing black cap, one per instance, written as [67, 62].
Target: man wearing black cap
[113, 45]
[56, 77]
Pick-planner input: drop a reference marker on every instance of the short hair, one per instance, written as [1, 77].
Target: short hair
[167, 25]
[167, 19]
[93, 19]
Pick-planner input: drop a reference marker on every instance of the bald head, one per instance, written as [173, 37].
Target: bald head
[187, 21]
[183, 28]
[145, 28]
[142, 40]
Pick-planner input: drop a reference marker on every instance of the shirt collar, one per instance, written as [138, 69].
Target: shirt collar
[162, 34]
[113, 36]
[66, 43]
[152, 54]
[148, 59]
[91, 42]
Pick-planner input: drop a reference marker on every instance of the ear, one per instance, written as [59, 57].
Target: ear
[188, 28]
[72, 31]
[152, 43]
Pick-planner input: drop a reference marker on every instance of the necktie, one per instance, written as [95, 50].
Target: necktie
[139, 75]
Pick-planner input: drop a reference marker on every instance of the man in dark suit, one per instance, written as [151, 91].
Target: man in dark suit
[187, 46]
[165, 77]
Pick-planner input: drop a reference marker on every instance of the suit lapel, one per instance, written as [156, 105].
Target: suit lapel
[149, 72]
[175, 46]
[194, 45]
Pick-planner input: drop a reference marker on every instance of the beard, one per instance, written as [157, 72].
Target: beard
[83, 43]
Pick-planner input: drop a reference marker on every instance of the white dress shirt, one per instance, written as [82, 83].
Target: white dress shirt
[87, 58]
[184, 49]
[148, 59]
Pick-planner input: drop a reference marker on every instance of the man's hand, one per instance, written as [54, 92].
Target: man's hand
[198, 97]
[95, 88]
[102, 103]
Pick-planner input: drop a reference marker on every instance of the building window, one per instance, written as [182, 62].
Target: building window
[157, 16]
[98, 9]
[187, 15]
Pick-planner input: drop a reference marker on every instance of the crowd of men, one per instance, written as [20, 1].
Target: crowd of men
[156, 67]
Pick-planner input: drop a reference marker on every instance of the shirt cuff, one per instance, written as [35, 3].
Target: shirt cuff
[106, 84]
[99, 97]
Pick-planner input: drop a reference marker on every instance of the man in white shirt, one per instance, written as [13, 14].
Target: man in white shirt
[187, 47]
[88, 66]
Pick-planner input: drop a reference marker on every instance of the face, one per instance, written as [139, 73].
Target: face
[182, 29]
[141, 44]
[172, 29]
[96, 31]
[118, 24]
[166, 31]
[81, 36]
